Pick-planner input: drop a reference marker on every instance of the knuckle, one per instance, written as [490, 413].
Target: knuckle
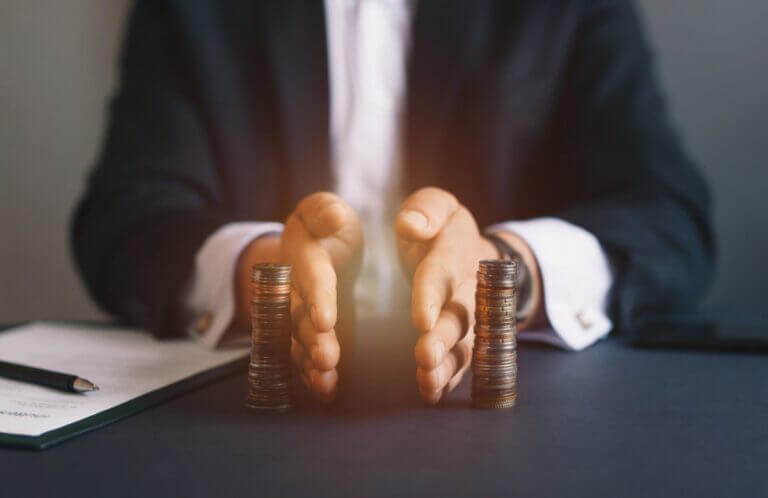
[313, 201]
[417, 196]
[432, 191]
[450, 199]
[433, 197]
[443, 197]
[327, 199]
[464, 214]
[321, 197]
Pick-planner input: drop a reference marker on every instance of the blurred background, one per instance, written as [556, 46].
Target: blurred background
[58, 67]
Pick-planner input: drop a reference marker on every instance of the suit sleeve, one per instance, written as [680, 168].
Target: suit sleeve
[643, 198]
[153, 196]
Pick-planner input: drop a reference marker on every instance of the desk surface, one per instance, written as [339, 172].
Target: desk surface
[609, 421]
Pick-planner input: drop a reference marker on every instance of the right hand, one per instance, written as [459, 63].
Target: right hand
[322, 240]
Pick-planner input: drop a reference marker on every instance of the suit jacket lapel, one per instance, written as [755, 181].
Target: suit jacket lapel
[296, 44]
[447, 38]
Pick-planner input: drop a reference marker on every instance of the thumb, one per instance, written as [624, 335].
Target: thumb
[324, 214]
[424, 214]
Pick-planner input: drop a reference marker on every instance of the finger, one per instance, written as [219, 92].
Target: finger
[297, 353]
[321, 347]
[453, 324]
[323, 384]
[463, 352]
[424, 213]
[433, 383]
[315, 279]
[302, 361]
[307, 368]
[299, 358]
[320, 293]
[324, 213]
[432, 285]
[431, 397]
[435, 379]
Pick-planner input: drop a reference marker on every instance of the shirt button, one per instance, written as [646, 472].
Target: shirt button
[585, 319]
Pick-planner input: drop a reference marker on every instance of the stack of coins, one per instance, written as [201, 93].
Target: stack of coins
[269, 372]
[494, 357]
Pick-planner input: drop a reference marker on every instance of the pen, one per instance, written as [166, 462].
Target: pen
[62, 381]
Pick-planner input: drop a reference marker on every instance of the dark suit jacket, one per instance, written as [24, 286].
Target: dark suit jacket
[521, 108]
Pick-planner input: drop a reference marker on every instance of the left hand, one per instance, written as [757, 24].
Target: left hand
[440, 246]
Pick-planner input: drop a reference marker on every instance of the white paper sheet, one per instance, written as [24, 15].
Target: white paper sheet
[124, 363]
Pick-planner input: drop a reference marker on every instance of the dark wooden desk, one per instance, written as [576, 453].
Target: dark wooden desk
[610, 421]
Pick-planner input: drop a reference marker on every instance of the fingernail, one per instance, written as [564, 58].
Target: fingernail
[415, 219]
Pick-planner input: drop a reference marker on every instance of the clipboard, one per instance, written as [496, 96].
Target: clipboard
[211, 366]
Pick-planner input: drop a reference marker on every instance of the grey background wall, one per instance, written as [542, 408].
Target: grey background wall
[57, 68]
[713, 65]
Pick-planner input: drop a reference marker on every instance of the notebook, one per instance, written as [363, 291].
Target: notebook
[132, 369]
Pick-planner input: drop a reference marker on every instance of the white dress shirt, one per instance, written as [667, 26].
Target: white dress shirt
[368, 46]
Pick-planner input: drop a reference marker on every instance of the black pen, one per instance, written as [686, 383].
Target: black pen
[62, 381]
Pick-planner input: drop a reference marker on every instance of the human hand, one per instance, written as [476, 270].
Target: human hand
[440, 246]
[322, 240]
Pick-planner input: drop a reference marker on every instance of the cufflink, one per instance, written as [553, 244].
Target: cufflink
[584, 317]
[203, 323]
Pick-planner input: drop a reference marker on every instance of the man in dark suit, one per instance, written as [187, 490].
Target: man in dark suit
[529, 128]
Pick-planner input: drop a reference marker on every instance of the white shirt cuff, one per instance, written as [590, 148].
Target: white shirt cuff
[576, 277]
[210, 298]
